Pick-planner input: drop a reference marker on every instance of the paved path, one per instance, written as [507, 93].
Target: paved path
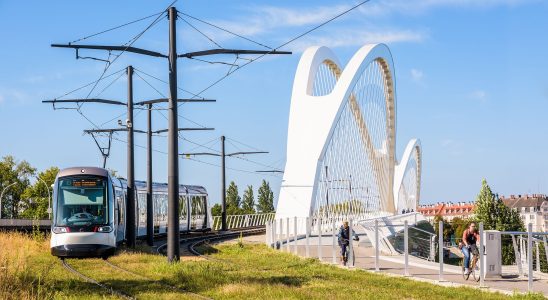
[419, 269]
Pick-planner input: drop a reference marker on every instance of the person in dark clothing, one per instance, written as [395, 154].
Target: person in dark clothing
[344, 240]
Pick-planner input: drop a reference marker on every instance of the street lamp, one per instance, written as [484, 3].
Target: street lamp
[2, 195]
[49, 196]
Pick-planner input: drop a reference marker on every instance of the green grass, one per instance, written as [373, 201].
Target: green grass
[246, 271]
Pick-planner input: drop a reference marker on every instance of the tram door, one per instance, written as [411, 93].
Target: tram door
[119, 216]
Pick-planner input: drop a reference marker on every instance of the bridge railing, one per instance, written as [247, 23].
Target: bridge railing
[242, 221]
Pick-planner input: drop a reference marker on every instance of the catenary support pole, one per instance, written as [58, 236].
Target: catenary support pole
[150, 211]
[173, 247]
[223, 187]
[530, 257]
[482, 262]
[130, 205]
[377, 267]
[406, 247]
[440, 249]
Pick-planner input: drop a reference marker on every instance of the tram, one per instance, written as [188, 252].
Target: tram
[89, 211]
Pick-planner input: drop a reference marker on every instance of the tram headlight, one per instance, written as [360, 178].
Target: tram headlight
[61, 229]
[104, 229]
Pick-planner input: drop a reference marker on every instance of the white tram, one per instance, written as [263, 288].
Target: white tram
[89, 211]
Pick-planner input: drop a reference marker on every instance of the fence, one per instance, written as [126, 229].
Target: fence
[399, 243]
[242, 221]
[318, 237]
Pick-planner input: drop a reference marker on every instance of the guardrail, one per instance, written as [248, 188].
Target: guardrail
[242, 221]
[24, 224]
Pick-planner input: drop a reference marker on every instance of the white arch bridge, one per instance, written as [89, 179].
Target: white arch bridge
[341, 140]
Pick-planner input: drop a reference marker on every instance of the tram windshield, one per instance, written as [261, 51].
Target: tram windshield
[82, 201]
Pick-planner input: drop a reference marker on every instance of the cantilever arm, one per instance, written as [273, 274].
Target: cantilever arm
[112, 48]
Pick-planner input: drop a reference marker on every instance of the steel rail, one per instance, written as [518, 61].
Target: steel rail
[91, 280]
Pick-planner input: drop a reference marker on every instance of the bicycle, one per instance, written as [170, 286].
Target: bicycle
[474, 266]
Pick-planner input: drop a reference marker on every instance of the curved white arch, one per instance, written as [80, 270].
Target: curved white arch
[407, 178]
[313, 122]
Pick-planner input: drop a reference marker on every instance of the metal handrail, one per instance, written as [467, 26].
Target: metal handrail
[243, 221]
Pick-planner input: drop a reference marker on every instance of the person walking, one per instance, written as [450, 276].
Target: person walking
[344, 241]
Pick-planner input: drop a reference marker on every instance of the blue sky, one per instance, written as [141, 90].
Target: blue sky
[470, 75]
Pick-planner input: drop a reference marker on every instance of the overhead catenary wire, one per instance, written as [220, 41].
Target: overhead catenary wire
[223, 29]
[88, 84]
[150, 85]
[202, 33]
[195, 96]
[283, 45]
[109, 85]
[116, 27]
[129, 44]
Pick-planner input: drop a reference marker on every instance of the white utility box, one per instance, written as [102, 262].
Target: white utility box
[492, 262]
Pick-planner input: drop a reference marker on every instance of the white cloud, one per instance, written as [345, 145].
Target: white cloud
[406, 7]
[480, 95]
[275, 24]
[417, 75]
[12, 94]
[281, 23]
[356, 38]
[447, 143]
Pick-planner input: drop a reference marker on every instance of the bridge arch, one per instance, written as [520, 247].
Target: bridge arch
[341, 136]
[407, 178]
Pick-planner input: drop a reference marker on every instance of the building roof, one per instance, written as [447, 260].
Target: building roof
[520, 201]
[447, 209]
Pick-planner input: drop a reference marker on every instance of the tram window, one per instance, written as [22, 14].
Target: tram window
[82, 201]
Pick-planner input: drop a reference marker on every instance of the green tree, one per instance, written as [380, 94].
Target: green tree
[15, 175]
[36, 197]
[248, 201]
[265, 198]
[233, 200]
[448, 229]
[496, 216]
[459, 226]
[216, 210]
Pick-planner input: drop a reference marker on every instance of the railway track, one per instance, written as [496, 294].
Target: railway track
[212, 236]
[191, 244]
[86, 278]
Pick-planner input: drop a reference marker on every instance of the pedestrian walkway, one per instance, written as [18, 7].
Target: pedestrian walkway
[419, 269]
